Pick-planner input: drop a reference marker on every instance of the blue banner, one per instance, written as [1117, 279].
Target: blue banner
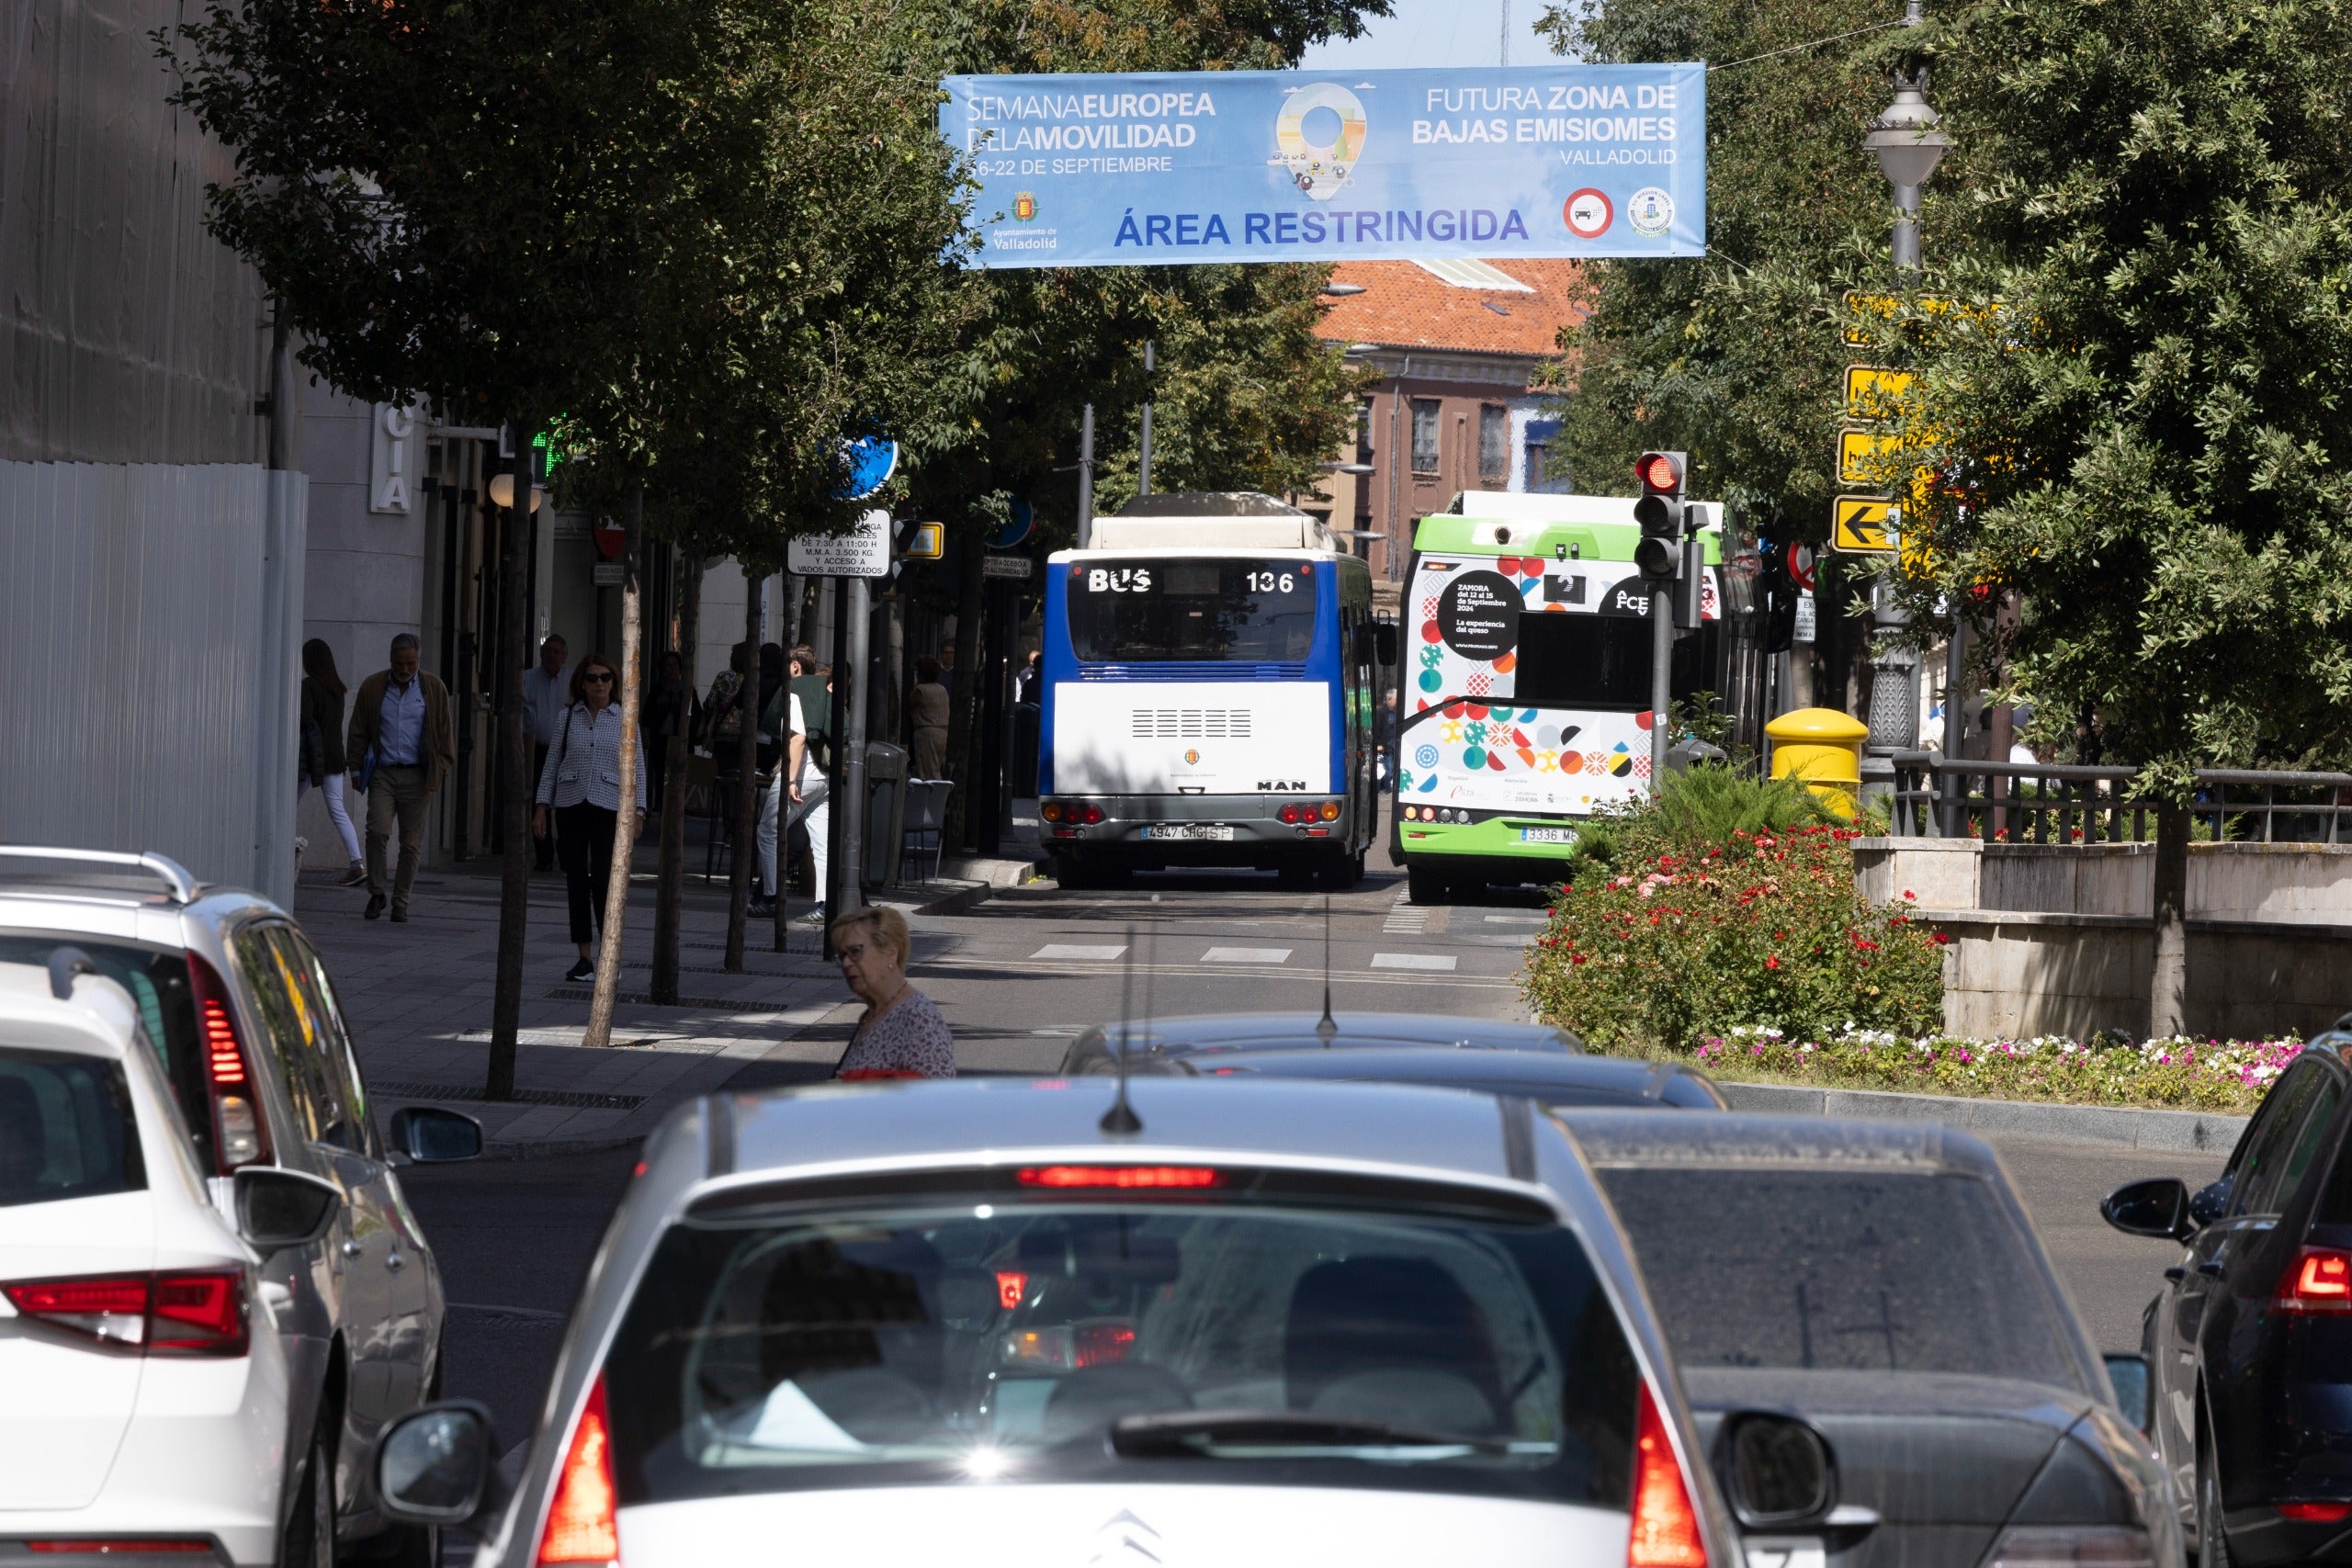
[1287, 165]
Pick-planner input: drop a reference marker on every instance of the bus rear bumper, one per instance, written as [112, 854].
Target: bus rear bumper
[1196, 830]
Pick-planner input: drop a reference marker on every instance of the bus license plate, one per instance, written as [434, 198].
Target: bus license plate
[1189, 830]
[1547, 835]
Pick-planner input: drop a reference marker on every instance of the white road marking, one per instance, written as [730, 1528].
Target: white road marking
[1246, 956]
[1405, 918]
[1079, 950]
[1412, 961]
[1517, 919]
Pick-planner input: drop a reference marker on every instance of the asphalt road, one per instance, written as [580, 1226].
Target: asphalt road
[1017, 977]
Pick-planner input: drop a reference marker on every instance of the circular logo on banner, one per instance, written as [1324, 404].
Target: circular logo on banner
[1651, 212]
[1478, 615]
[1320, 130]
[1589, 214]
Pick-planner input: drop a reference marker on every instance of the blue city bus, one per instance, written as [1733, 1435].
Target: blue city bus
[1212, 670]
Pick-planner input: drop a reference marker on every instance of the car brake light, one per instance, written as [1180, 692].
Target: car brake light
[1125, 1177]
[199, 1315]
[1011, 1286]
[581, 1525]
[1100, 1344]
[2316, 1513]
[238, 1135]
[1665, 1532]
[2319, 1278]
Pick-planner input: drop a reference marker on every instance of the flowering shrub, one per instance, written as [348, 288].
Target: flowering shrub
[2202, 1075]
[1765, 928]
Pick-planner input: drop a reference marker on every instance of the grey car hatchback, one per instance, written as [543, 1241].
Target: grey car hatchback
[238, 1003]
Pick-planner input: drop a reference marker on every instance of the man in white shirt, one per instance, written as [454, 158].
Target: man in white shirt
[546, 693]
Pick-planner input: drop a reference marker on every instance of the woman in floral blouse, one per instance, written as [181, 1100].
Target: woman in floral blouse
[901, 1034]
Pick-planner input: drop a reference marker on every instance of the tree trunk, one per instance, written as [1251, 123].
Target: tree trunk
[515, 742]
[669, 892]
[2168, 988]
[970, 594]
[747, 768]
[629, 818]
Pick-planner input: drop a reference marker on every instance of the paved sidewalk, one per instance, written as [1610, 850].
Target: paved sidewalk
[418, 997]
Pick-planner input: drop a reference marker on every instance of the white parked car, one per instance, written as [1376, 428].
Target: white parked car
[144, 1397]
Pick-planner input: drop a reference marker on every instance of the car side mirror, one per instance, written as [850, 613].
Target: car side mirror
[2155, 1207]
[2129, 1374]
[435, 1466]
[430, 1135]
[277, 1208]
[1777, 1471]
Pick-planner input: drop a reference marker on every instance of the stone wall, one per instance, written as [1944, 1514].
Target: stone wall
[2051, 939]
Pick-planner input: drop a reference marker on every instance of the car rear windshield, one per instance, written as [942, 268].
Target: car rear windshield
[946, 1341]
[1150, 609]
[66, 1128]
[157, 981]
[1899, 1271]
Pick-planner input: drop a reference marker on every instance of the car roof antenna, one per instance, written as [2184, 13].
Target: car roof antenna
[1122, 1118]
[1326, 1027]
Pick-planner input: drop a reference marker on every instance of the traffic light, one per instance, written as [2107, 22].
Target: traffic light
[1659, 513]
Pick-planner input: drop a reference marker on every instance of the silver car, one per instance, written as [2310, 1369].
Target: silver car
[1002, 1323]
[255, 1047]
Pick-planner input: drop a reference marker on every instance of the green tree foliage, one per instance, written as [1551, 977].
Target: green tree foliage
[1736, 357]
[2146, 413]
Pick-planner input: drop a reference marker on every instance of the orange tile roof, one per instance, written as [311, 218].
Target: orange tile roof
[1404, 305]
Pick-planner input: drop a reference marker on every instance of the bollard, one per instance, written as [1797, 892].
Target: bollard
[1823, 748]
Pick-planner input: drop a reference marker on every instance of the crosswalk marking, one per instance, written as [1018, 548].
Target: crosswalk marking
[1079, 950]
[1405, 918]
[1412, 961]
[1246, 956]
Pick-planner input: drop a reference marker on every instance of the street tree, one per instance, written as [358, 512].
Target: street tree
[2139, 407]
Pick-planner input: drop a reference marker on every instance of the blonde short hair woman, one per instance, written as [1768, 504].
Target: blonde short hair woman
[900, 1035]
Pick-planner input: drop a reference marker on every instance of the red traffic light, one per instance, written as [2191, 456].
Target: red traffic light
[1659, 472]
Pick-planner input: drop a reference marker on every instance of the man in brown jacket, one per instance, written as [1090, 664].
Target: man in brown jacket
[400, 718]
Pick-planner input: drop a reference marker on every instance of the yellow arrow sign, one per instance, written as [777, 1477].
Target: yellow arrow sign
[1858, 526]
[1872, 390]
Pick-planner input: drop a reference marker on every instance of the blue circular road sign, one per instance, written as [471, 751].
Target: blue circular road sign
[872, 460]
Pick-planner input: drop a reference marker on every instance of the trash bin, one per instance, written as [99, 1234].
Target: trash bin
[886, 810]
[1824, 749]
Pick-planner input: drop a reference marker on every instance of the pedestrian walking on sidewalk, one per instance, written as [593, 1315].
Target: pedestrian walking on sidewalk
[802, 784]
[580, 799]
[401, 747]
[544, 700]
[901, 1034]
[927, 712]
[323, 759]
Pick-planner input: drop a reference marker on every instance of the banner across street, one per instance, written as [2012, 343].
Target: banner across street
[1261, 165]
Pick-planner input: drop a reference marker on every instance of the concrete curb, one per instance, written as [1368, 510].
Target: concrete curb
[2186, 1131]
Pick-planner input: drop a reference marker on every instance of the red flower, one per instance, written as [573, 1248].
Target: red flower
[1942, 938]
[1773, 962]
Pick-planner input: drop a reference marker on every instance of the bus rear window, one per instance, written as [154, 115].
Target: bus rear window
[1603, 662]
[1168, 609]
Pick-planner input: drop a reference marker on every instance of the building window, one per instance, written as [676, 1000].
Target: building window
[1494, 446]
[1541, 478]
[1425, 413]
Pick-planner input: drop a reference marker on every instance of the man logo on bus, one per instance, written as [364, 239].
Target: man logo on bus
[1272, 785]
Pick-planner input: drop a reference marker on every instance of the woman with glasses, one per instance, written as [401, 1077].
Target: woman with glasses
[581, 783]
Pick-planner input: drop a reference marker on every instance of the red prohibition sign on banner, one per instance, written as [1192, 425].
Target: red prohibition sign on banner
[1800, 571]
[1587, 214]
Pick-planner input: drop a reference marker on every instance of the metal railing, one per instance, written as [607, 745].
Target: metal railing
[2052, 803]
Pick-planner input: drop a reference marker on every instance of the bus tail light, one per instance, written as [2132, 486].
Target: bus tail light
[1330, 812]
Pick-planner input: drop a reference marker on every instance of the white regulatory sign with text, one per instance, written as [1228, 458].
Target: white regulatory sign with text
[861, 551]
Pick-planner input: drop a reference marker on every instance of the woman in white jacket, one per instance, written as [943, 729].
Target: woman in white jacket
[582, 783]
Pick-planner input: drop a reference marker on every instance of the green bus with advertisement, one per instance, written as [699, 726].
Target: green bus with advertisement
[1524, 691]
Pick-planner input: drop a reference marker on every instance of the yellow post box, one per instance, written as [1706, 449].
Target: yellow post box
[1823, 748]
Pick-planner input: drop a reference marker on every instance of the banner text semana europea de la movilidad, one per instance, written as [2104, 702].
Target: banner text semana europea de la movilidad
[1287, 165]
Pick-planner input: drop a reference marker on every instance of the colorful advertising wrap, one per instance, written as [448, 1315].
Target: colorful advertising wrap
[1285, 165]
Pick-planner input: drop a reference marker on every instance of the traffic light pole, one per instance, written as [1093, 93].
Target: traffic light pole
[1661, 679]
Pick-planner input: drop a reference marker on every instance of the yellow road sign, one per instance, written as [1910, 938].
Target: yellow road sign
[929, 542]
[1857, 454]
[1872, 390]
[1858, 526]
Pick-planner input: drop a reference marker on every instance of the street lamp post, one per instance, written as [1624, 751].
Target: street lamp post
[1908, 142]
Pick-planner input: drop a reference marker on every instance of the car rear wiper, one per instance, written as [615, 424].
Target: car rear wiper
[1191, 1433]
